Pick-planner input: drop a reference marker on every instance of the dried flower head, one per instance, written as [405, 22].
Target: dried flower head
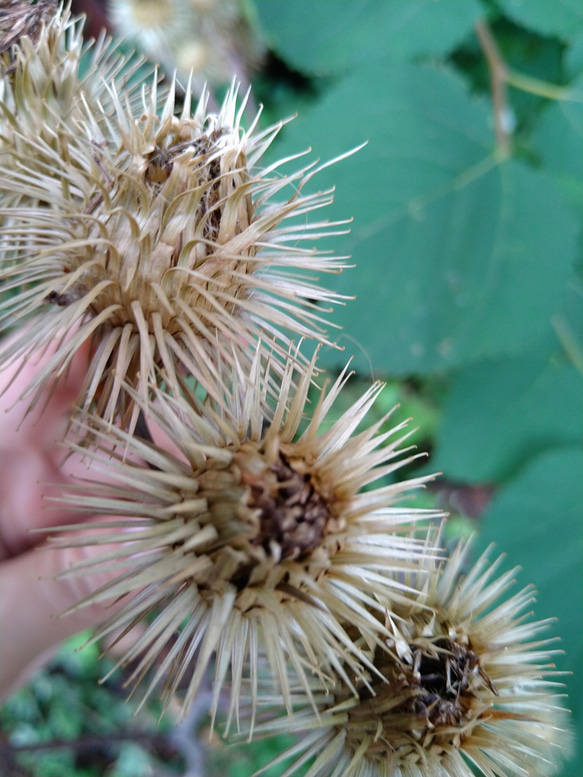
[211, 38]
[154, 26]
[460, 690]
[158, 237]
[249, 540]
[46, 86]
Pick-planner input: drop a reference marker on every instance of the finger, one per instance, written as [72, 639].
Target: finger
[32, 602]
[21, 497]
[47, 423]
[30, 486]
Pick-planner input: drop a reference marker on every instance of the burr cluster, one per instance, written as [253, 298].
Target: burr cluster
[253, 530]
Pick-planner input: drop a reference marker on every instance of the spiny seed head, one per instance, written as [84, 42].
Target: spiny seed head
[42, 87]
[160, 239]
[460, 689]
[250, 540]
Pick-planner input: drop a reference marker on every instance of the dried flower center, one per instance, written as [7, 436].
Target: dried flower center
[432, 701]
[292, 514]
[265, 508]
[445, 684]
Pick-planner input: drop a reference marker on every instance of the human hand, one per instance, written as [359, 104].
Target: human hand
[30, 458]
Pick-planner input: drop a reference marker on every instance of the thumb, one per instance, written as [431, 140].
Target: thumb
[31, 604]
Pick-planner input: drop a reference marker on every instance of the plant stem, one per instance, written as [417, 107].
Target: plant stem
[498, 81]
[541, 88]
[569, 342]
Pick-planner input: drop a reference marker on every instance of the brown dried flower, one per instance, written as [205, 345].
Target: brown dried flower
[45, 88]
[460, 689]
[250, 541]
[159, 238]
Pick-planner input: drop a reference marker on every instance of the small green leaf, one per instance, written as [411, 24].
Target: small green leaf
[333, 36]
[563, 18]
[133, 761]
[502, 412]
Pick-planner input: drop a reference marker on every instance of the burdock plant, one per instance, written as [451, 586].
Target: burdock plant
[20, 19]
[44, 85]
[248, 526]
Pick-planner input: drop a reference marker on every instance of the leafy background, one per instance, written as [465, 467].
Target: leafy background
[468, 245]
[468, 254]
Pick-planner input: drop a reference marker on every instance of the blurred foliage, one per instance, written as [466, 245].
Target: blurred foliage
[243, 760]
[545, 536]
[339, 36]
[469, 261]
[67, 723]
[468, 282]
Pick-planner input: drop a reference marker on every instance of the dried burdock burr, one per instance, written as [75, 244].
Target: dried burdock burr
[48, 74]
[161, 239]
[21, 18]
[464, 686]
[250, 539]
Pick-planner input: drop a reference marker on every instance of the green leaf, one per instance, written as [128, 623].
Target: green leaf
[332, 36]
[563, 18]
[557, 141]
[574, 57]
[452, 248]
[133, 761]
[502, 412]
[538, 520]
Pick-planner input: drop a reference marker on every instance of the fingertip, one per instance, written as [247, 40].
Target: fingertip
[40, 414]
[35, 598]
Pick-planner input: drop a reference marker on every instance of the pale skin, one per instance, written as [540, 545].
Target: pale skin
[31, 600]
